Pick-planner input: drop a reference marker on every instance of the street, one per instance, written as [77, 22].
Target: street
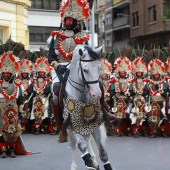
[125, 153]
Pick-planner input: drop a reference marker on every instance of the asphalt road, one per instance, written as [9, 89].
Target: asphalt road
[125, 153]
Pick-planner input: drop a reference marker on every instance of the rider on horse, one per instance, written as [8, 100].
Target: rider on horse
[61, 46]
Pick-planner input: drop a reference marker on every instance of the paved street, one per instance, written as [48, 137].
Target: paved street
[125, 153]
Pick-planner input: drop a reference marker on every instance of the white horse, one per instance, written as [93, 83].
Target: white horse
[82, 107]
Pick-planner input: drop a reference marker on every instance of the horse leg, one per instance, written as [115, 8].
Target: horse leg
[72, 144]
[93, 156]
[82, 145]
[97, 134]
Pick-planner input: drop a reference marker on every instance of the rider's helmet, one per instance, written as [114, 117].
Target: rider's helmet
[73, 13]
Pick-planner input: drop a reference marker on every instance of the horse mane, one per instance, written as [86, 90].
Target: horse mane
[92, 53]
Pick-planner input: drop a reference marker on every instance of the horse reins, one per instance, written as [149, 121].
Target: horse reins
[86, 83]
[83, 77]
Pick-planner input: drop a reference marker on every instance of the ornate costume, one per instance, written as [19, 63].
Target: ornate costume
[42, 93]
[118, 87]
[139, 93]
[10, 105]
[157, 92]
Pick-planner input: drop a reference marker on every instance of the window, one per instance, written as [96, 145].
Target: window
[108, 19]
[1, 34]
[45, 4]
[152, 13]
[40, 34]
[135, 16]
[108, 40]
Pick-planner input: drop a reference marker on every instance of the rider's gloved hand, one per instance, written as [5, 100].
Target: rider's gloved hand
[62, 69]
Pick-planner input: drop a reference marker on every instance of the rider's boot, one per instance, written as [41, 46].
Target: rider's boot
[3, 155]
[88, 162]
[59, 123]
[57, 111]
[107, 166]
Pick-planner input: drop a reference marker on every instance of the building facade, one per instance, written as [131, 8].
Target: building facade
[150, 23]
[139, 23]
[43, 17]
[13, 21]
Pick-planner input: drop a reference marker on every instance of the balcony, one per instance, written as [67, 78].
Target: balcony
[120, 44]
[121, 23]
[121, 4]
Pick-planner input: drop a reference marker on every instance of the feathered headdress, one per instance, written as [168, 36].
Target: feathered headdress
[9, 64]
[106, 67]
[26, 66]
[139, 65]
[156, 66]
[78, 9]
[122, 64]
[42, 64]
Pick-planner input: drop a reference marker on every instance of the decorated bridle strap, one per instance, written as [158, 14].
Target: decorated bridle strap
[83, 78]
[87, 60]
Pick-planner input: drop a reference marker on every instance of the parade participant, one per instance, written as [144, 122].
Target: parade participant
[25, 72]
[63, 42]
[11, 106]
[42, 93]
[139, 92]
[157, 92]
[118, 87]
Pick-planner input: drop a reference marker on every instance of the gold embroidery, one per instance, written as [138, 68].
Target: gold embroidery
[88, 111]
[70, 105]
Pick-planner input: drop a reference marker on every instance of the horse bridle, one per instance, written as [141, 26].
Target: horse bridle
[86, 83]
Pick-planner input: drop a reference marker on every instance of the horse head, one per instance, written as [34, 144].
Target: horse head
[88, 64]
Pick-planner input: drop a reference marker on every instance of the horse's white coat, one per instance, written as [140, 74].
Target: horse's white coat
[91, 71]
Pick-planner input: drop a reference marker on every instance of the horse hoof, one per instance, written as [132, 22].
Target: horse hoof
[90, 168]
